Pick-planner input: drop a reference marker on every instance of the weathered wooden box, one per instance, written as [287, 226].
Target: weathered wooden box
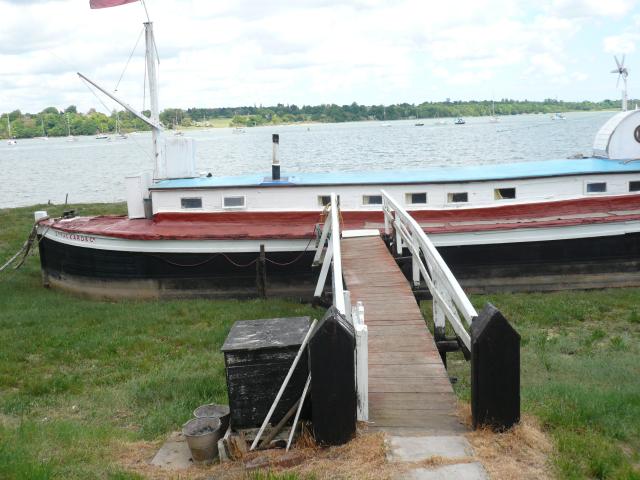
[257, 356]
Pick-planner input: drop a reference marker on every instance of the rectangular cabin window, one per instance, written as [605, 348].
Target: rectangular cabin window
[460, 197]
[195, 202]
[324, 200]
[233, 202]
[597, 187]
[372, 199]
[634, 186]
[504, 193]
[416, 198]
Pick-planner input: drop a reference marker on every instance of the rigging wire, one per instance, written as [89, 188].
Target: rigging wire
[145, 10]
[96, 95]
[129, 59]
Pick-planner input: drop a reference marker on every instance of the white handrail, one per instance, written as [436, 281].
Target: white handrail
[337, 283]
[332, 257]
[448, 296]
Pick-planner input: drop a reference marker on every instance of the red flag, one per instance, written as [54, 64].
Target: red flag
[108, 3]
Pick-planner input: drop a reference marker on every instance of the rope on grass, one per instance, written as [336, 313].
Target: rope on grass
[24, 250]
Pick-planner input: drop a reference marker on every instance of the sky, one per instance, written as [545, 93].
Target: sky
[216, 53]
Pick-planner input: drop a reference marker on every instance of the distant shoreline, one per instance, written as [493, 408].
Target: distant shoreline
[54, 123]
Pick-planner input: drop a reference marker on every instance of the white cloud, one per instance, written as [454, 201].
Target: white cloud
[623, 43]
[312, 51]
[591, 8]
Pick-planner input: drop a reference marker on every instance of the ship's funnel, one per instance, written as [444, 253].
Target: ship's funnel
[275, 164]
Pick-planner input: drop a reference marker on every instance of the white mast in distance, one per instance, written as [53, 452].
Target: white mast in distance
[153, 89]
[624, 73]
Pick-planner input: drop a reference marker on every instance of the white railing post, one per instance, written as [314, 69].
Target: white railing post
[362, 361]
[415, 269]
[326, 228]
[324, 271]
[347, 306]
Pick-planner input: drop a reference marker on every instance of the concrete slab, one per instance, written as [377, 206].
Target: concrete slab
[174, 454]
[459, 471]
[416, 449]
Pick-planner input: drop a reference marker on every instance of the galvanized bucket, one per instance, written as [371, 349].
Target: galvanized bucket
[214, 410]
[202, 436]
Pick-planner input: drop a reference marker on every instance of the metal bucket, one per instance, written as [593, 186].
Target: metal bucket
[202, 436]
[214, 410]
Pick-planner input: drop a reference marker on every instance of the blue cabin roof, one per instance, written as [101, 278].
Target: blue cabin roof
[473, 173]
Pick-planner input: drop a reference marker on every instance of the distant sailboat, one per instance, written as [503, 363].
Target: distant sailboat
[44, 132]
[119, 134]
[176, 131]
[493, 118]
[70, 138]
[11, 141]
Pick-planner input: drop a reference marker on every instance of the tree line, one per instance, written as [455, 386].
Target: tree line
[54, 123]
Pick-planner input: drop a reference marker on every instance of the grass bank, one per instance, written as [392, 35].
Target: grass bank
[80, 378]
[580, 375]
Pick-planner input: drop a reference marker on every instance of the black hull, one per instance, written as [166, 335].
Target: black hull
[599, 262]
[113, 274]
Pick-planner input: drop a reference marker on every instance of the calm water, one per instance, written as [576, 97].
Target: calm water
[90, 170]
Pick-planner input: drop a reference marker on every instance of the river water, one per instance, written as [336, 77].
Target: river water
[91, 170]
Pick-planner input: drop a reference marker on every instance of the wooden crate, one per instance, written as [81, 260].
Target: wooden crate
[258, 355]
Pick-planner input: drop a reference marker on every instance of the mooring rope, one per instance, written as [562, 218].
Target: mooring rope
[24, 250]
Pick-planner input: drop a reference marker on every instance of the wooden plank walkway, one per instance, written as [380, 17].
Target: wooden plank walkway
[409, 388]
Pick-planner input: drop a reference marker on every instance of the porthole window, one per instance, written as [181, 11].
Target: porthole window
[459, 197]
[234, 202]
[191, 202]
[597, 187]
[372, 199]
[634, 186]
[504, 193]
[416, 198]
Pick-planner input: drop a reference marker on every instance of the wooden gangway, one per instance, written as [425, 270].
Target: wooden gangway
[402, 384]
[409, 388]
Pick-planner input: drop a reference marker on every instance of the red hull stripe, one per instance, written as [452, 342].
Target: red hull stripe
[296, 225]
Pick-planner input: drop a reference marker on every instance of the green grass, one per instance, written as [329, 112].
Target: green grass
[78, 377]
[580, 375]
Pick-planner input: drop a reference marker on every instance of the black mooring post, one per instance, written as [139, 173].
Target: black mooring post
[495, 371]
[333, 389]
[261, 273]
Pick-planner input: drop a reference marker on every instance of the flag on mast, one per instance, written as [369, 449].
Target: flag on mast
[108, 3]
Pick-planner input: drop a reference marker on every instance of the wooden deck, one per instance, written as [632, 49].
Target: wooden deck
[409, 388]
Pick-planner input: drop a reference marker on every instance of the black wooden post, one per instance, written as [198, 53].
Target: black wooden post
[261, 273]
[495, 371]
[333, 388]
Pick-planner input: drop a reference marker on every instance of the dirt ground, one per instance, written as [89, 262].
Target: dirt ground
[521, 453]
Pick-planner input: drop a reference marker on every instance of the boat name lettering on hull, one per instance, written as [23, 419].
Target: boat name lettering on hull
[75, 236]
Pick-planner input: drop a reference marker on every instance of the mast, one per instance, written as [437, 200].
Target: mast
[9, 125]
[153, 89]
